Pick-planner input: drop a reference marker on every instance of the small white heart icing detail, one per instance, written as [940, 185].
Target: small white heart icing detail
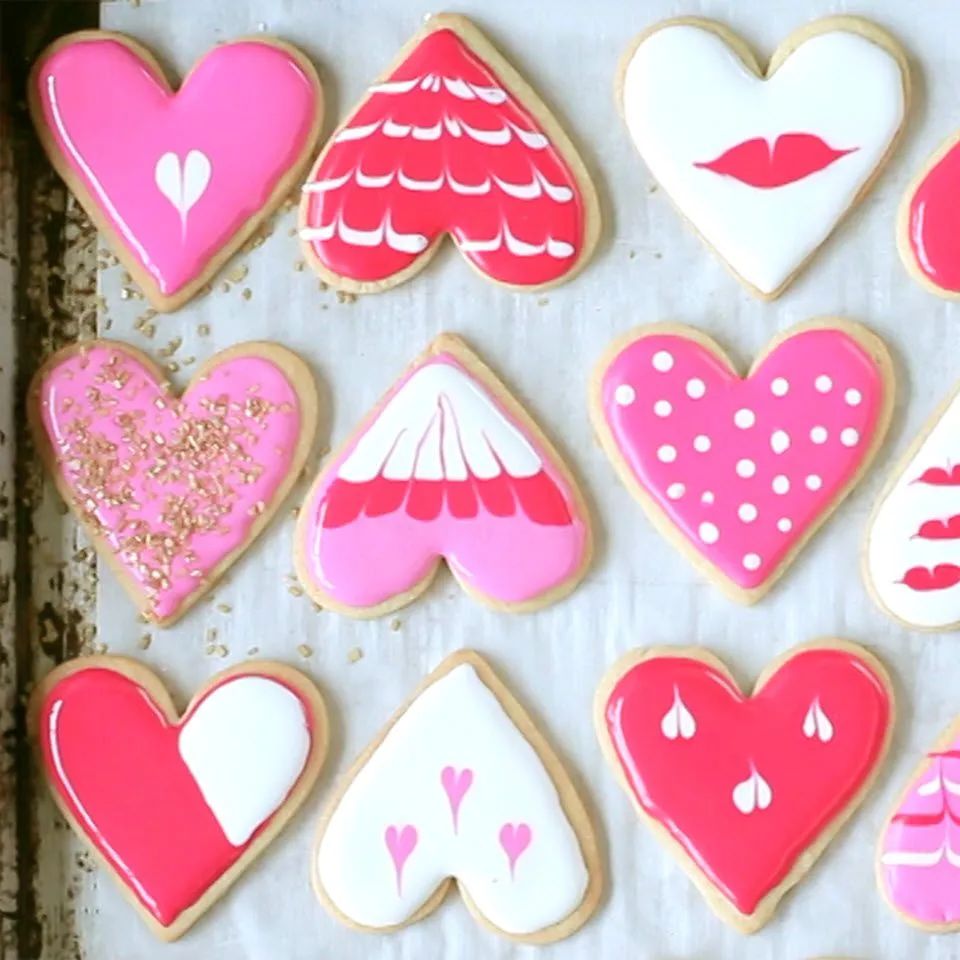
[183, 184]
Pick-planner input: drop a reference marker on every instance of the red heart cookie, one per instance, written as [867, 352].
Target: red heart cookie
[177, 808]
[748, 791]
[740, 472]
[449, 140]
[172, 490]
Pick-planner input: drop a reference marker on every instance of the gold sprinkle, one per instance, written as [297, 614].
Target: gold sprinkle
[145, 641]
[299, 265]
[238, 273]
[247, 293]
[203, 329]
[253, 651]
[354, 655]
[224, 607]
[395, 624]
[344, 297]
[305, 651]
[294, 590]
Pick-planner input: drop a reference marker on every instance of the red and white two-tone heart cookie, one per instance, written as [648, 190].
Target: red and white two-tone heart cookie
[448, 466]
[177, 807]
[747, 791]
[177, 180]
[449, 140]
[740, 472]
[172, 489]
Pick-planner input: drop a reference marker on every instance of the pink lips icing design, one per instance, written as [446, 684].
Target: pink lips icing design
[744, 469]
[179, 179]
[444, 468]
[171, 489]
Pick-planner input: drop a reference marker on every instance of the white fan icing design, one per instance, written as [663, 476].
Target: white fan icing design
[752, 794]
[817, 724]
[183, 184]
[678, 721]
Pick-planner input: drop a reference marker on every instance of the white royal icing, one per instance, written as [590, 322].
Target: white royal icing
[246, 745]
[893, 546]
[688, 98]
[183, 183]
[440, 425]
[753, 794]
[392, 840]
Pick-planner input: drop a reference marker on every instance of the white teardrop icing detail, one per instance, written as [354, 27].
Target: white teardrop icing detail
[183, 184]
[752, 794]
[817, 724]
[678, 721]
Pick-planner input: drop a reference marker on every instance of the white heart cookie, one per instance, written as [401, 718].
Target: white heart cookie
[460, 787]
[765, 163]
[912, 557]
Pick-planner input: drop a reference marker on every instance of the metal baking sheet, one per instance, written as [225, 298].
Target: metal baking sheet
[648, 267]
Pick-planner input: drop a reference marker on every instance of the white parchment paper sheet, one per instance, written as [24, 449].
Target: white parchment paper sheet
[648, 267]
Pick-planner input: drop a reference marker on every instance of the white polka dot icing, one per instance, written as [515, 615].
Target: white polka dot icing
[759, 459]
[625, 395]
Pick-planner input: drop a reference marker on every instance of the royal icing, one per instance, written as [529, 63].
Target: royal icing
[453, 790]
[175, 175]
[929, 222]
[744, 469]
[920, 847]
[745, 785]
[172, 487]
[442, 469]
[763, 168]
[913, 544]
[172, 806]
[442, 145]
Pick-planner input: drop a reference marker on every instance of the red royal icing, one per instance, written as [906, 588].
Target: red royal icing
[743, 467]
[440, 147]
[745, 784]
[113, 759]
[932, 223]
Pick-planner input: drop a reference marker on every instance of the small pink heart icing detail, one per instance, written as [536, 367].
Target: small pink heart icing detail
[442, 470]
[920, 848]
[743, 468]
[515, 838]
[170, 487]
[177, 175]
[401, 842]
[455, 784]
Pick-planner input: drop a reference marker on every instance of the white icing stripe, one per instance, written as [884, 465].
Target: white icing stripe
[90, 175]
[391, 839]
[456, 86]
[420, 186]
[395, 86]
[921, 858]
[357, 133]
[385, 233]
[330, 183]
[491, 137]
[474, 436]
[558, 249]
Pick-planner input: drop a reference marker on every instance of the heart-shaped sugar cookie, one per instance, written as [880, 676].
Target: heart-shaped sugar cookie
[177, 807]
[178, 180]
[740, 472]
[448, 466]
[460, 787]
[764, 163]
[172, 490]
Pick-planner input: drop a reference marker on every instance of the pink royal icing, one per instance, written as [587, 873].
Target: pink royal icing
[920, 848]
[442, 470]
[743, 467]
[173, 486]
[176, 174]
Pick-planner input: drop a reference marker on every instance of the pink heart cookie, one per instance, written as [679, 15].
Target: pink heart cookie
[172, 490]
[178, 180]
[447, 466]
[740, 472]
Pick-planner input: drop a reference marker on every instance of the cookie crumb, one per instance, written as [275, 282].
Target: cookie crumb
[224, 607]
[354, 655]
[300, 265]
[305, 650]
[632, 254]
[145, 641]
[344, 297]
[238, 274]
[395, 624]
[253, 651]
[203, 330]
[295, 590]
[247, 293]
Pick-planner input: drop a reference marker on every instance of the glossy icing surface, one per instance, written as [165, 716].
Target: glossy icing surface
[743, 467]
[442, 147]
[173, 485]
[442, 470]
[913, 548]
[453, 790]
[920, 847]
[177, 174]
[171, 807]
[931, 224]
[763, 169]
[745, 784]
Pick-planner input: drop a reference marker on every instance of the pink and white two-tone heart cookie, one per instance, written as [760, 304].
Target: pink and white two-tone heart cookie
[448, 466]
[172, 489]
[765, 161]
[740, 472]
[177, 180]
[177, 807]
